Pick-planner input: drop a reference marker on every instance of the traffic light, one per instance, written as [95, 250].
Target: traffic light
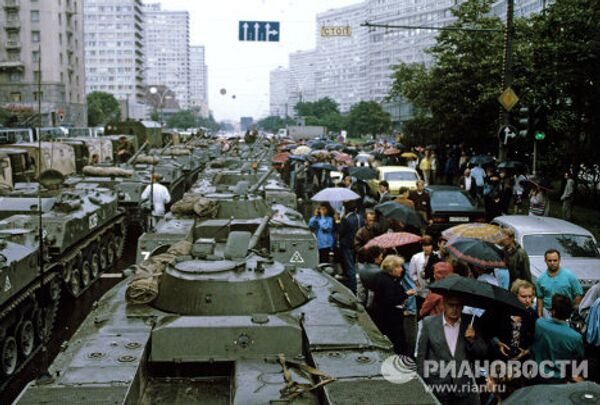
[539, 125]
[526, 119]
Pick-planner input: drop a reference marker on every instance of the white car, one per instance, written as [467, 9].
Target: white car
[578, 248]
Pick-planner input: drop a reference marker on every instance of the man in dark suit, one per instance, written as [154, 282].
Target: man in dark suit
[384, 192]
[467, 183]
[445, 338]
[420, 198]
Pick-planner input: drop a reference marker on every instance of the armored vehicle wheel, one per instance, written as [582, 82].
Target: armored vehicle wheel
[55, 290]
[103, 258]
[120, 245]
[38, 323]
[26, 338]
[110, 254]
[75, 282]
[8, 356]
[86, 273]
[95, 265]
[66, 273]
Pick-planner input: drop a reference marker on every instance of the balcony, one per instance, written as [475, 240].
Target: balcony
[11, 65]
[11, 5]
[12, 24]
[12, 44]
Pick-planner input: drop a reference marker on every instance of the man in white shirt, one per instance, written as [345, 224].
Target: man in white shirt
[416, 269]
[160, 197]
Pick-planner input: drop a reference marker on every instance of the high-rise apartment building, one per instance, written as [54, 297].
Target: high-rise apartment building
[198, 80]
[41, 56]
[279, 80]
[341, 71]
[302, 69]
[167, 50]
[114, 51]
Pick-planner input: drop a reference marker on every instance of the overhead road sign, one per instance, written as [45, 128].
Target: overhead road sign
[261, 31]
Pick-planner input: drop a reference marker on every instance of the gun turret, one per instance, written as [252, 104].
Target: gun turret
[259, 231]
[260, 181]
[136, 154]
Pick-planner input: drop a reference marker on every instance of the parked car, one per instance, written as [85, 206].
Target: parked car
[452, 206]
[396, 176]
[578, 248]
[363, 160]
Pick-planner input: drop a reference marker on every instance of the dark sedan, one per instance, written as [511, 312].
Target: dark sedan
[451, 206]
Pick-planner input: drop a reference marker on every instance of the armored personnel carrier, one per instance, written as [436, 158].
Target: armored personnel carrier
[228, 326]
[29, 296]
[84, 230]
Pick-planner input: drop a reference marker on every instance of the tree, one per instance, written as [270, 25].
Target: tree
[274, 122]
[367, 117]
[317, 109]
[182, 119]
[102, 108]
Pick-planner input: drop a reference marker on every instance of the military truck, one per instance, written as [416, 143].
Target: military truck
[228, 325]
[143, 131]
[54, 155]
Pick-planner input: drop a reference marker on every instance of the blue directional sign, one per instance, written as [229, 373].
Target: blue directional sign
[264, 31]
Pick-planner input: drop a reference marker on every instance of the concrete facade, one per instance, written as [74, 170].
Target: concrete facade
[303, 65]
[279, 80]
[114, 52]
[341, 71]
[199, 80]
[42, 56]
[167, 50]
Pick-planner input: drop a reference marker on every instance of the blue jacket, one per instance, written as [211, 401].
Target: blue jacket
[324, 227]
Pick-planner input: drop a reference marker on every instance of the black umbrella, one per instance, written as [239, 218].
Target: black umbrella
[289, 147]
[400, 213]
[324, 166]
[317, 145]
[585, 392]
[478, 294]
[476, 252]
[482, 160]
[334, 146]
[362, 173]
[350, 151]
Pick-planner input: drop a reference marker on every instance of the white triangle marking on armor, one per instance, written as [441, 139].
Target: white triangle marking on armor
[7, 284]
[296, 258]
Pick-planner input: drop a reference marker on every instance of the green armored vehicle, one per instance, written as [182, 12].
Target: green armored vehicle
[29, 298]
[227, 325]
[84, 230]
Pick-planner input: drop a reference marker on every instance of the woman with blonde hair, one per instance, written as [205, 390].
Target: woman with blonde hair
[390, 297]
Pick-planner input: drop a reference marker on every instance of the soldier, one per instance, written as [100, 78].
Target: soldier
[125, 149]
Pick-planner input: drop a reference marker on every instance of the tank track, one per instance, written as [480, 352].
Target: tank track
[25, 307]
[69, 261]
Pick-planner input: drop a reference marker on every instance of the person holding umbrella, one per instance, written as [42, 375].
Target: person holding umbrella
[323, 225]
[351, 222]
[447, 337]
[389, 301]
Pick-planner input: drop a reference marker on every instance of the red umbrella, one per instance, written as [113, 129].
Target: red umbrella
[394, 239]
[281, 157]
[342, 157]
[391, 151]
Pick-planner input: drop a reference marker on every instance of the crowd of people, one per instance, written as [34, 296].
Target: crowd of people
[393, 283]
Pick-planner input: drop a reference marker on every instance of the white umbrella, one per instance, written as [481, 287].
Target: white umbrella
[302, 150]
[335, 194]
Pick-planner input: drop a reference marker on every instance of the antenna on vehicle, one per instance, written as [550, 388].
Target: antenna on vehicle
[45, 376]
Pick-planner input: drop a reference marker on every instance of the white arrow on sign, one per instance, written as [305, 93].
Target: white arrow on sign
[508, 134]
[245, 26]
[269, 32]
[256, 27]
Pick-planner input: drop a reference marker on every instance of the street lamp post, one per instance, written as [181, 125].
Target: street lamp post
[162, 96]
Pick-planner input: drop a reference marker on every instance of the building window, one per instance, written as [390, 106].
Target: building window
[15, 97]
[36, 76]
[37, 95]
[15, 76]
[35, 16]
[35, 56]
[35, 36]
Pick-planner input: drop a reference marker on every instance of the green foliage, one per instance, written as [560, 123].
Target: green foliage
[5, 117]
[323, 112]
[102, 108]
[186, 119]
[274, 123]
[367, 117]
[155, 116]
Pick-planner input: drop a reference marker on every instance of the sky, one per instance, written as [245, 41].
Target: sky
[240, 67]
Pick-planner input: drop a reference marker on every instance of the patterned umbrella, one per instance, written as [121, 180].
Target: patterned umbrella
[486, 232]
[342, 157]
[393, 239]
[476, 252]
[280, 157]
[302, 150]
